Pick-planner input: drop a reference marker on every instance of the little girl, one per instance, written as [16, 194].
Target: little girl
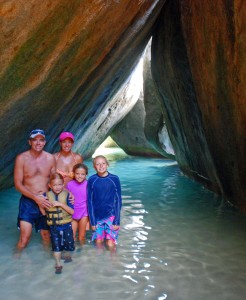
[78, 187]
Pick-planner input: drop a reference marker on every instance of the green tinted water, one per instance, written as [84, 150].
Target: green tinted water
[178, 241]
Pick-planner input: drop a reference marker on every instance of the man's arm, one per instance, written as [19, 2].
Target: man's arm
[19, 177]
[53, 169]
[40, 200]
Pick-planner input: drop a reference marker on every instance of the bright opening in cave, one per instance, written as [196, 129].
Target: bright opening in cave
[109, 146]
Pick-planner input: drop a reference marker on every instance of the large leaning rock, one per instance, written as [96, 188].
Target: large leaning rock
[199, 65]
[129, 133]
[61, 62]
[112, 113]
[155, 128]
[143, 132]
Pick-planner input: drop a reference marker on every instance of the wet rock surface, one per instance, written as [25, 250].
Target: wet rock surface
[199, 66]
[61, 62]
[65, 66]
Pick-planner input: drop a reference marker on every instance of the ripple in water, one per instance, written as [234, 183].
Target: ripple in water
[177, 241]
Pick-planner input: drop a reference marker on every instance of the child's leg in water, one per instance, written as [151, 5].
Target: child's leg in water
[75, 228]
[82, 229]
[66, 256]
[58, 266]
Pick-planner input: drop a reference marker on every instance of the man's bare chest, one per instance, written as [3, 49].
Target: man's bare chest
[36, 168]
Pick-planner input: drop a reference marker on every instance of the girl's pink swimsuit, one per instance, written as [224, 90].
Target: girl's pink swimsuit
[79, 190]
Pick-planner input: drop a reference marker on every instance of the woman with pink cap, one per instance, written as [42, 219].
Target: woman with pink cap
[65, 158]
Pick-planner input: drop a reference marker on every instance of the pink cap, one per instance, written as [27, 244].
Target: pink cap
[66, 135]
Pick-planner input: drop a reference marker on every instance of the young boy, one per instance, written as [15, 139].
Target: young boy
[104, 203]
[59, 218]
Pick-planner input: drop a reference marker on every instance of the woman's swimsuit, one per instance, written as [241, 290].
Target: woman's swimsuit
[66, 174]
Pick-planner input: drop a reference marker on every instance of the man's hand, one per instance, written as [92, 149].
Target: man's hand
[116, 227]
[42, 201]
[42, 211]
[93, 228]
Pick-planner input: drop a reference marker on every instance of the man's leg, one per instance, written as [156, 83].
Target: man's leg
[25, 235]
[45, 234]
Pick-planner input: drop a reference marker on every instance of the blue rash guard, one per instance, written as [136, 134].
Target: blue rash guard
[104, 198]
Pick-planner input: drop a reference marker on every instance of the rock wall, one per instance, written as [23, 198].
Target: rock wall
[65, 65]
[61, 62]
[129, 133]
[111, 114]
[155, 128]
[142, 131]
[199, 62]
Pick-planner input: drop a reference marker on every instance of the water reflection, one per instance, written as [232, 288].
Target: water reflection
[178, 241]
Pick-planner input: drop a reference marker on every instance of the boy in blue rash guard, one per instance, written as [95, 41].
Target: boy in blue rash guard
[104, 203]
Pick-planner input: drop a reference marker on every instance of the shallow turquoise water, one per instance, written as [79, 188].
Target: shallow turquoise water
[178, 241]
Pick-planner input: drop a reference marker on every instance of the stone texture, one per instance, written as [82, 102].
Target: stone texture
[61, 62]
[154, 124]
[112, 112]
[199, 66]
[109, 143]
[142, 131]
[129, 133]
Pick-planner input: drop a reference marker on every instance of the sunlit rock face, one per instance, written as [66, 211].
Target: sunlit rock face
[142, 132]
[113, 111]
[155, 128]
[199, 66]
[61, 61]
[129, 133]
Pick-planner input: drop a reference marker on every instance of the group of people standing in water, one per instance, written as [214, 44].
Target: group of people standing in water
[59, 201]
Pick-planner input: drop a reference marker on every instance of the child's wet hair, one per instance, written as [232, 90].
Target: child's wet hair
[56, 175]
[80, 166]
[100, 156]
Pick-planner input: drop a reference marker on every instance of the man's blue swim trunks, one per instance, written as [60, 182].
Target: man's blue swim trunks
[29, 212]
